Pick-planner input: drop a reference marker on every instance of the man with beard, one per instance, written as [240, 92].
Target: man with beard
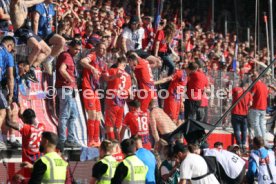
[50, 168]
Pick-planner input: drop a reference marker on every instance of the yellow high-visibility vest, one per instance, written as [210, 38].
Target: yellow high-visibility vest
[137, 170]
[111, 162]
[56, 168]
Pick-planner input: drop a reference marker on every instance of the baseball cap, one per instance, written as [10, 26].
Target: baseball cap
[134, 20]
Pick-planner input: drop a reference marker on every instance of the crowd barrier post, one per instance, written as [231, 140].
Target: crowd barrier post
[271, 36]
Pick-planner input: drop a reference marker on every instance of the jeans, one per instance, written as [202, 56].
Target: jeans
[258, 121]
[239, 124]
[68, 114]
[167, 62]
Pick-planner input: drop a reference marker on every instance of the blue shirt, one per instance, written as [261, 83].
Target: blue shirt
[252, 165]
[45, 19]
[148, 159]
[6, 61]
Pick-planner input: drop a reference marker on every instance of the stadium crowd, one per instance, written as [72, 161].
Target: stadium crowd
[123, 61]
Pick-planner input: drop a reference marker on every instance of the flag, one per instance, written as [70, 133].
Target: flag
[234, 62]
[157, 16]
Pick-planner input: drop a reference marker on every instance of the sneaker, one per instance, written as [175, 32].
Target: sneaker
[68, 144]
[48, 67]
[31, 75]
[3, 146]
[14, 145]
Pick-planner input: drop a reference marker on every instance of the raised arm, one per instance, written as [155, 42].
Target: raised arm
[138, 11]
[30, 3]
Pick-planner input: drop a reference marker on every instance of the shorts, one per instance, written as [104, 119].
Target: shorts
[114, 115]
[24, 34]
[3, 100]
[48, 37]
[92, 103]
[145, 99]
[142, 53]
[172, 107]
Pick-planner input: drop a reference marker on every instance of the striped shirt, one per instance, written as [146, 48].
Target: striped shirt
[160, 122]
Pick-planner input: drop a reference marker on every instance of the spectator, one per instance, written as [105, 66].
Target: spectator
[131, 169]
[160, 123]
[43, 18]
[66, 86]
[239, 113]
[7, 79]
[20, 69]
[261, 163]
[20, 21]
[132, 37]
[50, 168]
[193, 167]
[147, 158]
[231, 166]
[161, 47]
[103, 171]
[169, 169]
[258, 110]
[138, 123]
[197, 82]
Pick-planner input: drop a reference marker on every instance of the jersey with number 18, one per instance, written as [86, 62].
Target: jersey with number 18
[138, 123]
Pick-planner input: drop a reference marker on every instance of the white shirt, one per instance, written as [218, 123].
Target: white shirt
[133, 38]
[195, 166]
[231, 163]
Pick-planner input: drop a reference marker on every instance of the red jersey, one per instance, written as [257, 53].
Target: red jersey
[143, 75]
[242, 107]
[260, 93]
[163, 46]
[67, 59]
[89, 82]
[177, 84]
[117, 89]
[138, 123]
[31, 137]
[195, 86]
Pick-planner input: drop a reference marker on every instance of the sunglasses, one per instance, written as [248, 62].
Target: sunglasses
[106, 36]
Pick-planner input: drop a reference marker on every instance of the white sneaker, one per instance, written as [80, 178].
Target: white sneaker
[48, 65]
[3, 146]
